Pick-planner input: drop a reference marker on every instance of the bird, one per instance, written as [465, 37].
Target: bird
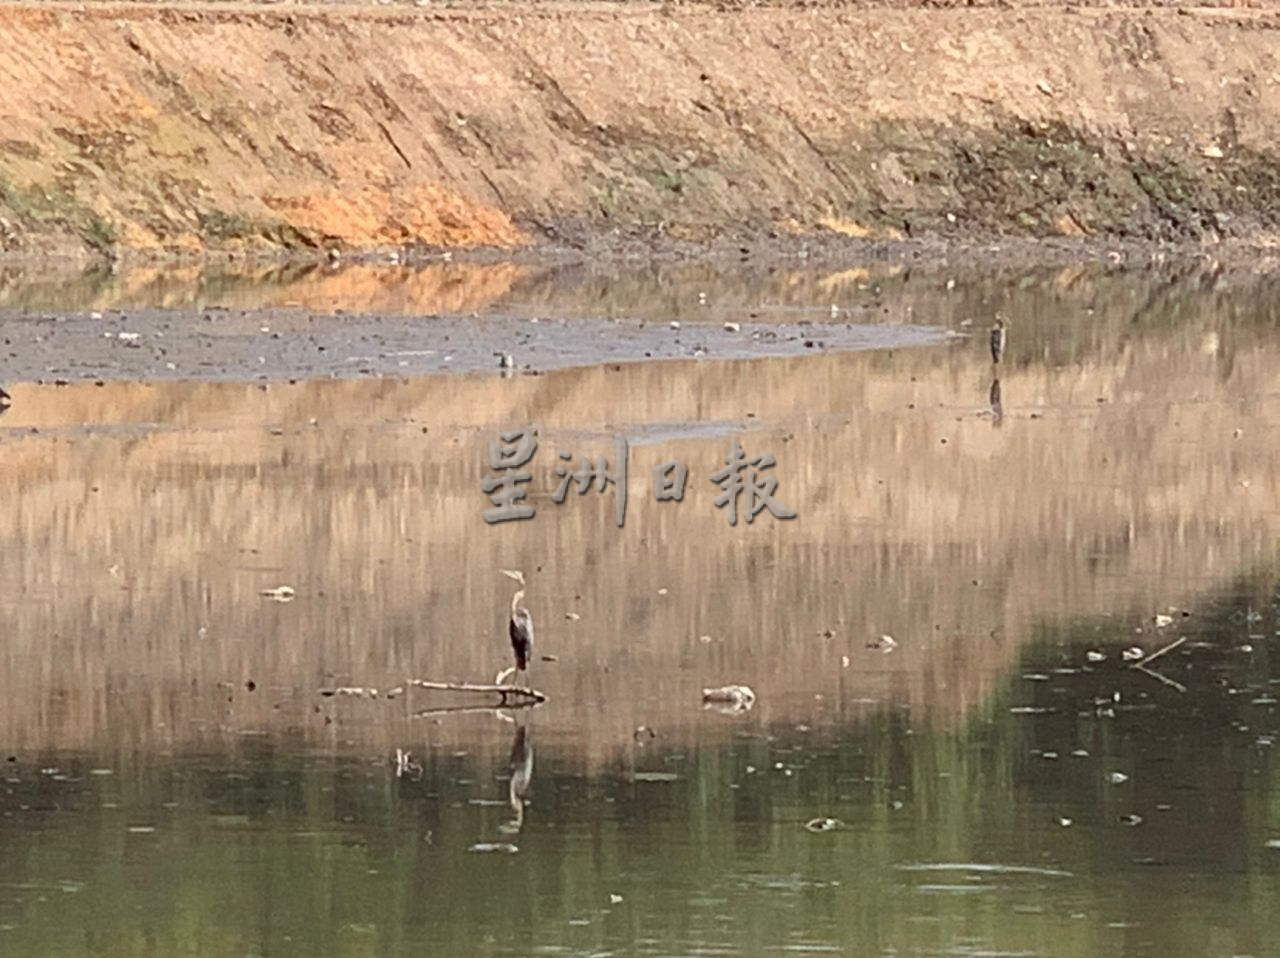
[520, 629]
[998, 335]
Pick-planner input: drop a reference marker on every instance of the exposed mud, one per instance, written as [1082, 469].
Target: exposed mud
[185, 128]
[273, 345]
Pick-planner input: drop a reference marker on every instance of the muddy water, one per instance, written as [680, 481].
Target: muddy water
[1000, 781]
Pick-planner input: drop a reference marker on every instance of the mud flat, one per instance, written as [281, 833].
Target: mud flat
[219, 344]
[162, 129]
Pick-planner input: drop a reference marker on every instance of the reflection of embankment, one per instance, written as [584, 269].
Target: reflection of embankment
[134, 561]
[1116, 304]
[437, 288]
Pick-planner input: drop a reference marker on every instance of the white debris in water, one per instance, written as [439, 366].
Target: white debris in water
[1163, 620]
[615, 899]
[674, 324]
[1095, 656]
[823, 824]
[1117, 778]
[281, 593]
[505, 848]
[886, 644]
[1132, 654]
[732, 327]
[729, 699]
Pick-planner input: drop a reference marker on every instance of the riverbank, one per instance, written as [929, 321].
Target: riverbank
[322, 130]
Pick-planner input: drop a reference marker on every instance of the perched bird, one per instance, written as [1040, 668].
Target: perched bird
[521, 632]
[998, 334]
[520, 629]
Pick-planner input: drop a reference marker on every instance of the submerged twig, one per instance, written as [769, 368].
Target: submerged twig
[1155, 655]
[507, 692]
[1163, 678]
[495, 710]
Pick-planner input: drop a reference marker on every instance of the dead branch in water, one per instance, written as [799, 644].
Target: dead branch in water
[1163, 678]
[495, 710]
[1155, 655]
[510, 694]
[1142, 666]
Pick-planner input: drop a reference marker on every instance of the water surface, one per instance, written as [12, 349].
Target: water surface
[1002, 782]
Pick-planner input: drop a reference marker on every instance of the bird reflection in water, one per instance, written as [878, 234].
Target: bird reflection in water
[997, 402]
[521, 766]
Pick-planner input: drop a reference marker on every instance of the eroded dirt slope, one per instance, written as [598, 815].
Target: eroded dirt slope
[188, 128]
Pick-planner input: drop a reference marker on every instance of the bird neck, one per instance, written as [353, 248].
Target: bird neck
[515, 601]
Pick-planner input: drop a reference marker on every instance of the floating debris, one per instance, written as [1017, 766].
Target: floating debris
[823, 824]
[505, 848]
[885, 644]
[1133, 821]
[572, 616]
[655, 777]
[729, 699]
[1117, 778]
[615, 899]
[1094, 656]
[1065, 822]
[405, 765]
[1162, 620]
[732, 327]
[281, 593]
[355, 691]
[1132, 654]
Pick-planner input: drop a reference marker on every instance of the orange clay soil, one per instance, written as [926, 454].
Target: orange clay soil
[169, 128]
